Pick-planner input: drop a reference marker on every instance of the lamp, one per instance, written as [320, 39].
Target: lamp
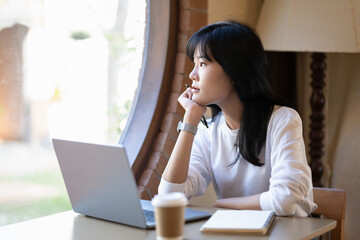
[317, 26]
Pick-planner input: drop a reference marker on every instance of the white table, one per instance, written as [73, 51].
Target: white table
[69, 225]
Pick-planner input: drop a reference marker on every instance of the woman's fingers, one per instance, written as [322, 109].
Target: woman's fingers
[185, 98]
[187, 93]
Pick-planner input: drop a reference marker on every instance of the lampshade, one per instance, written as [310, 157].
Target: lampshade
[310, 25]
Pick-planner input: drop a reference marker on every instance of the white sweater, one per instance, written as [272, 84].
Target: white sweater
[284, 181]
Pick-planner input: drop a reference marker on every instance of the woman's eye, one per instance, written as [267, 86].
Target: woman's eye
[202, 64]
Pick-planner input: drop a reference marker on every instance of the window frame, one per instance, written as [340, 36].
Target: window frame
[154, 82]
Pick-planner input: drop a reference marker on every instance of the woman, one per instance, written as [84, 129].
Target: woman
[253, 151]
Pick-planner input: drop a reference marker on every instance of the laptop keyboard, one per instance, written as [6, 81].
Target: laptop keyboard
[149, 215]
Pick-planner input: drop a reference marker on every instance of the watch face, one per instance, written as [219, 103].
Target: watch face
[179, 126]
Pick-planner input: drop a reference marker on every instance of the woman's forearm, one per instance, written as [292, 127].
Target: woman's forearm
[242, 203]
[177, 168]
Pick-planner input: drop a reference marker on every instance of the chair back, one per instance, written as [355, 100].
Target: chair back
[331, 204]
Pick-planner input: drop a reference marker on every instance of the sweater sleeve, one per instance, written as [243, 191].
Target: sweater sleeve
[198, 175]
[290, 191]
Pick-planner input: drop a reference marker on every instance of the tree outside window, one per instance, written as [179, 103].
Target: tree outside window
[68, 69]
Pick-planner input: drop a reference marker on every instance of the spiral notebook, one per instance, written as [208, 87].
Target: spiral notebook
[239, 221]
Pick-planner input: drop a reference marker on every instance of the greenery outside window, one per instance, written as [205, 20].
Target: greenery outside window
[68, 69]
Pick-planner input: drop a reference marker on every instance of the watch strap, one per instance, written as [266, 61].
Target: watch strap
[186, 127]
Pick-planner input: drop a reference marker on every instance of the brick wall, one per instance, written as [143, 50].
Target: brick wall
[192, 16]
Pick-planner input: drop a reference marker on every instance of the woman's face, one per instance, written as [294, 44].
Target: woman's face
[210, 83]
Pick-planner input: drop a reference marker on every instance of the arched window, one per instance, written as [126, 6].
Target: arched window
[165, 73]
[150, 132]
[155, 81]
[68, 69]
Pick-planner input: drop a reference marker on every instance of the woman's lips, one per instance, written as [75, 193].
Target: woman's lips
[194, 89]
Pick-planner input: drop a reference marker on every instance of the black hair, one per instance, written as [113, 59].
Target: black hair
[239, 51]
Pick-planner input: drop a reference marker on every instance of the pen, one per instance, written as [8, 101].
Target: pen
[203, 119]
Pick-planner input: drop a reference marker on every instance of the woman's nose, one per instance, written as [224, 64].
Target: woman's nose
[193, 75]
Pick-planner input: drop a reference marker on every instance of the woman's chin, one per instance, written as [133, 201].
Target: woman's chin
[199, 101]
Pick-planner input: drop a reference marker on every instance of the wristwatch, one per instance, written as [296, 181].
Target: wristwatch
[186, 127]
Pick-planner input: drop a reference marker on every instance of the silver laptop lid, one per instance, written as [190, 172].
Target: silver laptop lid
[99, 181]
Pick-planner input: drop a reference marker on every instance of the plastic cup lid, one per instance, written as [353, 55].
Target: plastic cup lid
[173, 199]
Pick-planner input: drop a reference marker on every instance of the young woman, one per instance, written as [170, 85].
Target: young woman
[253, 151]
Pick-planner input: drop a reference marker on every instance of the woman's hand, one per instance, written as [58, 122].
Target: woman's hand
[193, 110]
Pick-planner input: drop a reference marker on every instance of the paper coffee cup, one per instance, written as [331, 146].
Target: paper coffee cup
[169, 215]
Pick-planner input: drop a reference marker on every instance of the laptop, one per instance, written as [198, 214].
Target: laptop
[101, 184]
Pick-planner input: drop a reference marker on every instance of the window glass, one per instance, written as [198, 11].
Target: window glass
[68, 69]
